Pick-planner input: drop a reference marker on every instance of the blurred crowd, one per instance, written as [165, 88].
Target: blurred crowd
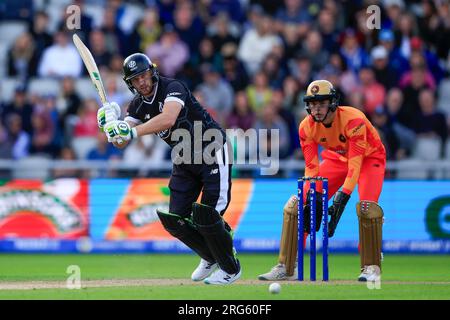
[247, 61]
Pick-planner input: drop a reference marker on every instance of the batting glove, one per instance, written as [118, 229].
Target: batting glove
[107, 113]
[119, 130]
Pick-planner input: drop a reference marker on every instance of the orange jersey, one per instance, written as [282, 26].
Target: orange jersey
[350, 138]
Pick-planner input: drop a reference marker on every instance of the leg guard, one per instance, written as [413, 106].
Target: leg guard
[289, 242]
[182, 229]
[370, 216]
[211, 226]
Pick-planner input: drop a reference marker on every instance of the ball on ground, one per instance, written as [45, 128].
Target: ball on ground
[274, 288]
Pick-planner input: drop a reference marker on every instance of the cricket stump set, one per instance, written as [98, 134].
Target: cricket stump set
[312, 234]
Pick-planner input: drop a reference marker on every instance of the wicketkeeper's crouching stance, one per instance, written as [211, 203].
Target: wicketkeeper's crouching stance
[354, 154]
[162, 106]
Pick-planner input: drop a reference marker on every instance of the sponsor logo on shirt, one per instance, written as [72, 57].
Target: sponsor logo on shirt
[174, 94]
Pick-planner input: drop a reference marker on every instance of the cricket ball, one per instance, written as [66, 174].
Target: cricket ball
[274, 288]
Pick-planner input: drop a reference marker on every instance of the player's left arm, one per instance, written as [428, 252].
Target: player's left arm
[173, 103]
[162, 121]
[356, 132]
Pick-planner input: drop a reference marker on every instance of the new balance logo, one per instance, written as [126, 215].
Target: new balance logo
[214, 171]
[173, 94]
[227, 278]
[147, 116]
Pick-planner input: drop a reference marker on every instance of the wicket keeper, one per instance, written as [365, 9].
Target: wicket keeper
[353, 155]
[166, 107]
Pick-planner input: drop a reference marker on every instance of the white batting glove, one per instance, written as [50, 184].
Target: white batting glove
[107, 113]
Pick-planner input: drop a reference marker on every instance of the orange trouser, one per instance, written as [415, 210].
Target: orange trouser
[370, 180]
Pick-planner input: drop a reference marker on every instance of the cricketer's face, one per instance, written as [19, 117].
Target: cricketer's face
[319, 109]
[143, 83]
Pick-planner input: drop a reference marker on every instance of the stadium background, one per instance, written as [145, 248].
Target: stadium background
[64, 189]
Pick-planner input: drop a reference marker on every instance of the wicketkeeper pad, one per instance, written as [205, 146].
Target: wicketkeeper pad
[370, 216]
[288, 242]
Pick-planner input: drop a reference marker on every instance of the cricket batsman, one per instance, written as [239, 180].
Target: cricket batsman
[166, 107]
[353, 155]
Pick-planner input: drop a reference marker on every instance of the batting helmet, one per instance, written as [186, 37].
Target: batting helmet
[320, 90]
[136, 64]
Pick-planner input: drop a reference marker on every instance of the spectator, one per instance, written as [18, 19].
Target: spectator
[312, 48]
[417, 61]
[374, 93]
[300, 68]
[98, 48]
[206, 54]
[437, 29]
[288, 118]
[406, 30]
[68, 105]
[21, 107]
[61, 59]
[232, 8]
[43, 133]
[396, 60]
[115, 39]
[394, 10]
[146, 149]
[295, 13]
[169, 53]
[17, 140]
[384, 74]
[270, 120]
[432, 61]
[406, 137]
[256, 44]
[223, 32]
[430, 122]
[242, 116]
[259, 93]
[104, 150]
[86, 123]
[380, 121]
[347, 78]
[354, 55]
[116, 64]
[147, 30]
[327, 28]
[293, 100]
[23, 58]
[218, 93]
[39, 31]
[274, 71]
[233, 70]
[188, 26]
[291, 40]
[49, 106]
[411, 94]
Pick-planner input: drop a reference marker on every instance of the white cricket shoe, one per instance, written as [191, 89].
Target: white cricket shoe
[203, 270]
[370, 273]
[278, 273]
[222, 277]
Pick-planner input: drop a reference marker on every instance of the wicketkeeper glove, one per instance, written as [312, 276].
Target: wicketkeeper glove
[307, 212]
[119, 130]
[107, 113]
[335, 211]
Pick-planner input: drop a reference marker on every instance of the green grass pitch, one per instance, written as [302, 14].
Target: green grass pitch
[404, 277]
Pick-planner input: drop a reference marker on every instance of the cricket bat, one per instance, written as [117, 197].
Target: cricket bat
[92, 69]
